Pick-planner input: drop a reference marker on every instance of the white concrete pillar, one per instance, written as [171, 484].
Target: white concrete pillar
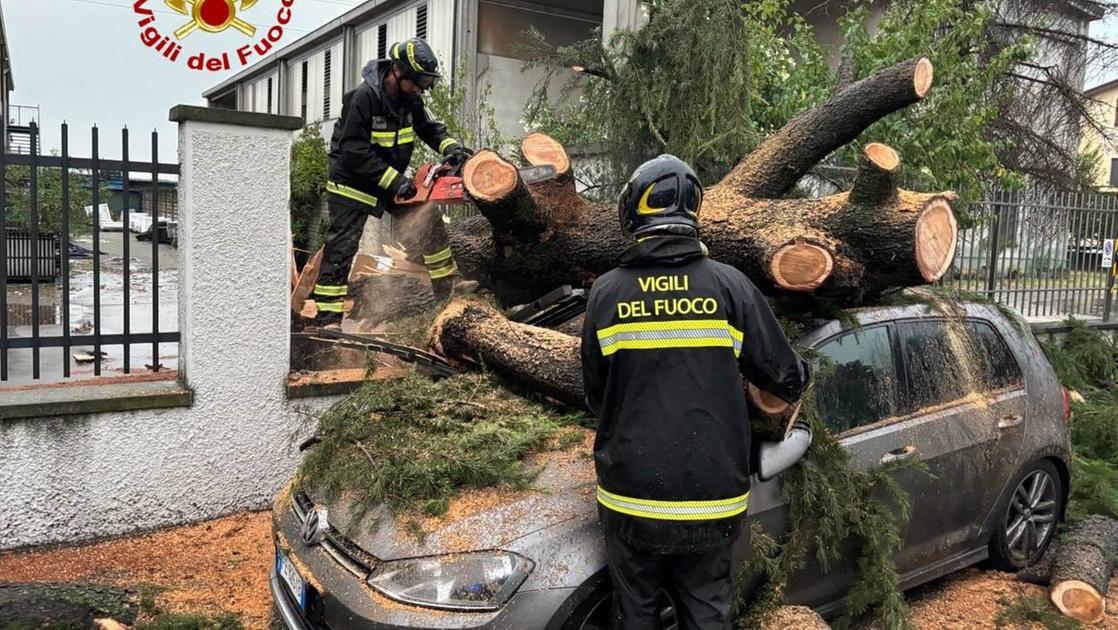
[234, 241]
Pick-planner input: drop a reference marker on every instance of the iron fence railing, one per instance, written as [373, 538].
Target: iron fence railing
[92, 171]
[1039, 251]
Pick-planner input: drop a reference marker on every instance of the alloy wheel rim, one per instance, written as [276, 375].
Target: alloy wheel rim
[1032, 516]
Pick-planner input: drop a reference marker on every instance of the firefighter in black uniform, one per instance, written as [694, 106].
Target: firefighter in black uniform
[369, 153]
[668, 336]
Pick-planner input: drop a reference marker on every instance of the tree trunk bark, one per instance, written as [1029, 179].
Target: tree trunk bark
[775, 166]
[1082, 567]
[541, 359]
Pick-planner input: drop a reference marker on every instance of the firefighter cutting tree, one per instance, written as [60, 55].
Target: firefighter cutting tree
[667, 337]
[369, 154]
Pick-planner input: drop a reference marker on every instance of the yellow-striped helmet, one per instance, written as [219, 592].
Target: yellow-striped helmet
[662, 192]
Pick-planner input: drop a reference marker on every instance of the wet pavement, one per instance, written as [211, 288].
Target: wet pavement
[140, 296]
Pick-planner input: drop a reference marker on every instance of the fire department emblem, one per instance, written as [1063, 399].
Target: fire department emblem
[212, 16]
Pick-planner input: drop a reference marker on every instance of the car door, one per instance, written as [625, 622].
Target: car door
[968, 423]
[972, 406]
[857, 392]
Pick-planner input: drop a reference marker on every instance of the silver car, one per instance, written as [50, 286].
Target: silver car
[993, 433]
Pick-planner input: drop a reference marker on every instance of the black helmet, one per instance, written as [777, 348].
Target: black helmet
[417, 61]
[662, 192]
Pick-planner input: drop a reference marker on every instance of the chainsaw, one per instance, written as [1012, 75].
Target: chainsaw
[442, 183]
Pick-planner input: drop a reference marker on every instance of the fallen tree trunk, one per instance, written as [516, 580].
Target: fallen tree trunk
[1082, 566]
[25, 605]
[548, 361]
[848, 245]
[541, 359]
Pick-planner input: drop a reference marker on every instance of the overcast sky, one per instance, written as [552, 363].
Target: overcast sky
[82, 61]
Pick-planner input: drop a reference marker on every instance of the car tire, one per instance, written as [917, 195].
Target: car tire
[1027, 517]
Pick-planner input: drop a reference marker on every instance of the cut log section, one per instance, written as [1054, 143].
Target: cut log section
[877, 173]
[542, 359]
[502, 197]
[540, 149]
[1082, 566]
[831, 245]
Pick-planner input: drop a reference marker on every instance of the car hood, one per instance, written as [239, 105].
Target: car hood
[476, 519]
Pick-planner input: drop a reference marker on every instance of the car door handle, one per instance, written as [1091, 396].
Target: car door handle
[1008, 422]
[898, 455]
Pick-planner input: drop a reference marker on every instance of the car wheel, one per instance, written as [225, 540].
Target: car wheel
[594, 614]
[1028, 517]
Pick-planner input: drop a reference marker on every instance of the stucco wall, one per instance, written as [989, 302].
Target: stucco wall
[71, 478]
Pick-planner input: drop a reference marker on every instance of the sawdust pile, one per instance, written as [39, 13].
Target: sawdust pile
[215, 567]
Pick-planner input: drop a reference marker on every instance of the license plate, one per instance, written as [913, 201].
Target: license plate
[295, 582]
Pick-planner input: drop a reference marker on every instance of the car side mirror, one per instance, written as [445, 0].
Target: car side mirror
[776, 457]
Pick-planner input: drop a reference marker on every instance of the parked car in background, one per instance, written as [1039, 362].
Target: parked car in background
[990, 431]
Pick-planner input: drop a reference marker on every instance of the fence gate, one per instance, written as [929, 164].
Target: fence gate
[20, 221]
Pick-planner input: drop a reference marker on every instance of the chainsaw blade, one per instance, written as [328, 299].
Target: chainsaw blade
[533, 174]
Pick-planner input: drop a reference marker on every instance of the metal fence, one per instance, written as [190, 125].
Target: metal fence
[91, 171]
[1040, 251]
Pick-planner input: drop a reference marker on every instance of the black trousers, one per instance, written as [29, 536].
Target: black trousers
[700, 584]
[420, 229]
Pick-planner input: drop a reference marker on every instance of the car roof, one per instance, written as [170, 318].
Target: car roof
[867, 316]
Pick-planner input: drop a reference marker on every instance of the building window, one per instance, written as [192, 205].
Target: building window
[303, 91]
[421, 21]
[1114, 172]
[326, 84]
[252, 100]
[382, 41]
[269, 96]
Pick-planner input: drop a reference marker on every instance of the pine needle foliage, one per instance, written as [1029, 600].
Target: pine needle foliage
[1087, 361]
[834, 507]
[413, 443]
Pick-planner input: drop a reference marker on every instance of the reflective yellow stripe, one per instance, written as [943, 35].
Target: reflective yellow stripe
[445, 144]
[443, 272]
[674, 510]
[438, 256]
[405, 135]
[351, 193]
[411, 57]
[331, 307]
[331, 290]
[388, 177]
[683, 333]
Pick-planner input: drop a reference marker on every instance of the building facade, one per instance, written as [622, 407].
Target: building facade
[476, 42]
[1101, 136]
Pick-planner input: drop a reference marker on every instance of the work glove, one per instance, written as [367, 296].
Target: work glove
[457, 155]
[406, 189]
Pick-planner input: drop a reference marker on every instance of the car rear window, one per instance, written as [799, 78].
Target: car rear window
[855, 382]
[946, 362]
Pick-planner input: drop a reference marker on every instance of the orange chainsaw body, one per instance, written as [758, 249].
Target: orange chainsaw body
[433, 186]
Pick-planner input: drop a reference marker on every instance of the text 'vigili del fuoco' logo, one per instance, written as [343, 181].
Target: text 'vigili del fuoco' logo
[210, 16]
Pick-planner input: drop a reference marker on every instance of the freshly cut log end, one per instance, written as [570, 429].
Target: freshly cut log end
[937, 231]
[1079, 600]
[877, 173]
[882, 156]
[488, 177]
[922, 77]
[801, 266]
[765, 402]
[540, 149]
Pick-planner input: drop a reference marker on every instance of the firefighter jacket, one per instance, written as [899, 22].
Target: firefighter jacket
[373, 140]
[667, 338]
